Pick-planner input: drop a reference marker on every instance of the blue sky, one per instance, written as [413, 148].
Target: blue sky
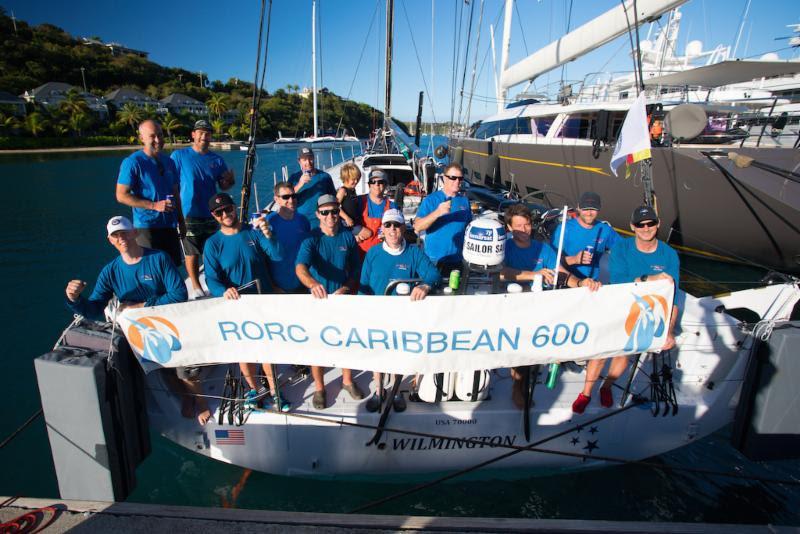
[219, 39]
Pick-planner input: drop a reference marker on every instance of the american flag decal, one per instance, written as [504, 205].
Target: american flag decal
[229, 437]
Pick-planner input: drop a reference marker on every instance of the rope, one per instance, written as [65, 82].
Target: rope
[22, 427]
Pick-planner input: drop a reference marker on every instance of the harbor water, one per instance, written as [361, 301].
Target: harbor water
[55, 231]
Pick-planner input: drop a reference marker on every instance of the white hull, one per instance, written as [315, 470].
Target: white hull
[708, 370]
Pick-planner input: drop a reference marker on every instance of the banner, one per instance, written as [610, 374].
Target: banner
[395, 335]
[634, 138]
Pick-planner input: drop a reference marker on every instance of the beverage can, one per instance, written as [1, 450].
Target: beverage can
[455, 279]
[589, 249]
[254, 216]
[171, 199]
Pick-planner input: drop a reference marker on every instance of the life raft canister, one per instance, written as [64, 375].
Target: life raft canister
[485, 243]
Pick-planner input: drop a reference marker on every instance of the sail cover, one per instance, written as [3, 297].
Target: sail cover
[395, 335]
[726, 73]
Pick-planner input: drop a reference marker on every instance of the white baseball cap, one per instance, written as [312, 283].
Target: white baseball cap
[117, 224]
[393, 216]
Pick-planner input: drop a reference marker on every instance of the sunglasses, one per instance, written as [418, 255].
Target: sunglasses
[220, 211]
[648, 224]
[325, 213]
[287, 197]
[449, 177]
[392, 225]
[377, 182]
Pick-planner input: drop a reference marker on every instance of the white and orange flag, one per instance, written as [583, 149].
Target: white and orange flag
[634, 139]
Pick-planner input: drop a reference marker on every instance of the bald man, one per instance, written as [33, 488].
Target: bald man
[149, 183]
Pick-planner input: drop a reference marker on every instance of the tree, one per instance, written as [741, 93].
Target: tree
[36, 123]
[170, 124]
[79, 122]
[9, 123]
[218, 104]
[74, 103]
[218, 125]
[131, 114]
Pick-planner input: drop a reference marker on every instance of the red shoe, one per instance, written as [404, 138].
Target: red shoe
[606, 399]
[580, 404]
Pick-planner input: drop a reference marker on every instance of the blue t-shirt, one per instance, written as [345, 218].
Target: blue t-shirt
[320, 184]
[331, 260]
[234, 260]
[538, 256]
[153, 280]
[290, 234]
[151, 180]
[601, 236]
[380, 268]
[199, 175]
[444, 239]
[375, 211]
[629, 263]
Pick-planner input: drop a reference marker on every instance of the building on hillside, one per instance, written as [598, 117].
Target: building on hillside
[116, 48]
[180, 103]
[305, 93]
[126, 95]
[13, 105]
[52, 94]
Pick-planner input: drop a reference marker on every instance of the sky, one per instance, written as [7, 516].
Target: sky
[219, 39]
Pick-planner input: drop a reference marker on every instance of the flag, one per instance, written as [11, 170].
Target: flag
[634, 139]
[229, 437]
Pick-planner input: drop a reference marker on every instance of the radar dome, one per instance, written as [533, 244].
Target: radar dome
[694, 48]
[770, 56]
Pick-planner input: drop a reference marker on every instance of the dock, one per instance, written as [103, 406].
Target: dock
[77, 517]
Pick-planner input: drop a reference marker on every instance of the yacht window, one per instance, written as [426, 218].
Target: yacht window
[543, 124]
[577, 127]
[517, 125]
[486, 130]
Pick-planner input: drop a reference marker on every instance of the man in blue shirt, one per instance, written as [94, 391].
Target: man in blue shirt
[444, 216]
[394, 260]
[139, 277]
[310, 183]
[636, 259]
[234, 257]
[290, 229]
[524, 259]
[327, 263]
[148, 182]
[200, 171]
[586, 238]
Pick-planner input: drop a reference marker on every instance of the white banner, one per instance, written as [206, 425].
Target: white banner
[396, 335]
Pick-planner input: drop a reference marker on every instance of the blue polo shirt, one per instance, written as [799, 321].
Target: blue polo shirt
[331, 260]
[444, 239]
[629, 263]
[380, 267]
[539, 255]
[601, 236]
[150, 179]
[290, 234]
[234, 260]
[199, 176]
[321, 184]
[152, 280]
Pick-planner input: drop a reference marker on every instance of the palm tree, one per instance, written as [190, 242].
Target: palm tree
[233, 131]
[130, 114]
[8, 123]
[79, 121]
[171, 123]
[218, 104]
[36, 123]
[218, 125]
[74, 103]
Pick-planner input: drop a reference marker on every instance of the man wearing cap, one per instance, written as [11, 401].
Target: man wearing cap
[148, 182]
[394, 260]
[372, 207]
[640, 258]
[138, 277]
[200, 171]
[235, 256]
[586, 239]
[290, 229]
[327, 263]
[309, 184]
[444, 216]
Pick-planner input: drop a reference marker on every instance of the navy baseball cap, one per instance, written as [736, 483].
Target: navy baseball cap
[305, 152]
[220, 200]
[589, 201]
[644, 213]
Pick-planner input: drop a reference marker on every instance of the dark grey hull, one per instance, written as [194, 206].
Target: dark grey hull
[707, 205]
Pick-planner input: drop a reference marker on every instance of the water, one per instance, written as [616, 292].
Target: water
[55, 230]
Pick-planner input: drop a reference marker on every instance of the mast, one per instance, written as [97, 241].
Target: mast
[387, 103]
[502, 91]
[314, 60]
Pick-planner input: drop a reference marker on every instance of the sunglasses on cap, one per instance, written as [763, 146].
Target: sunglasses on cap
[377, 182]
[288, 196]
[646, 224]
[449, 177]
[392, 224]
[325, 213]
[220, 211]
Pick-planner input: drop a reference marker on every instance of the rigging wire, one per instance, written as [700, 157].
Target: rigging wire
[569, 23]
[633, 49]
[466, 60]
[458, 15]
[475, 64]
[419, 61]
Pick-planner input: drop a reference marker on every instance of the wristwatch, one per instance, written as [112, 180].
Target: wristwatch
[644, 278]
